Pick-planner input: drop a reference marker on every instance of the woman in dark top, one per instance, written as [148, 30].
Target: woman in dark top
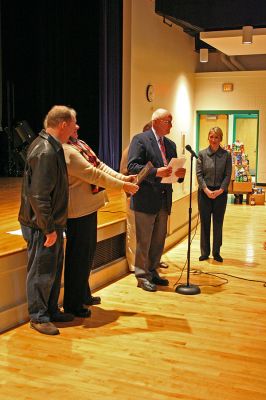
[214, 167]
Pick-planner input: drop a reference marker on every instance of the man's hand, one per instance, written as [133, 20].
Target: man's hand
[180, 172]
[130, 188]
[50, 239]
[130, 178]
[164, 172]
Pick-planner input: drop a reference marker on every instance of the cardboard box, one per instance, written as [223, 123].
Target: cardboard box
[230, 187]
[259, 198]
[242, 187]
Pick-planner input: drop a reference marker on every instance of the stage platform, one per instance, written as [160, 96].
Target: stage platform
[114, 212]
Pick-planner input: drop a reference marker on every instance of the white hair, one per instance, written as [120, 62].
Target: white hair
[160, 113]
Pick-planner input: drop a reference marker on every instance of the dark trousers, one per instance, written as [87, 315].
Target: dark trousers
[215, 209]
[80, 249]
[45, 266]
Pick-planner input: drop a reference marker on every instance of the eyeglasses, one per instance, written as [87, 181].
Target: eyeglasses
[166, 121]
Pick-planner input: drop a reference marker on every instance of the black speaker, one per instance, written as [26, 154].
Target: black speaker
[25, 132]
[23, 135]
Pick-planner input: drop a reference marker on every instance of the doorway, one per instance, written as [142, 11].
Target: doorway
[242, 126]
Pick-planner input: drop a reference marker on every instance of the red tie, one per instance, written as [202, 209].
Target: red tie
[162, 148]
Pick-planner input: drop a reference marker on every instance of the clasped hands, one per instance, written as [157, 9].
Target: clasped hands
[212, 194]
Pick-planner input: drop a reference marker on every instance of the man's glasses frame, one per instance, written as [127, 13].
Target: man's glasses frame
[166, 121]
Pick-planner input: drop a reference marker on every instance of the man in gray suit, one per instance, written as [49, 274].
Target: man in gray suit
[152, 203]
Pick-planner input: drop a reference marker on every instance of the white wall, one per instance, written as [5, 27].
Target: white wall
[249, 94]
[162, 56]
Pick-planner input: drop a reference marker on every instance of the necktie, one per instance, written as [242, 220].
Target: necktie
[163, 151]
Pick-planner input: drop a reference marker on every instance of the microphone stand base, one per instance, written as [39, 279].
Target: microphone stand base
[187, 289]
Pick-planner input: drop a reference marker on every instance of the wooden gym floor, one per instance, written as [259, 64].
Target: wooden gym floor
[163, 345]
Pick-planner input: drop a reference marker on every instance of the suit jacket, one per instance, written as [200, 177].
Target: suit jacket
[144, 148]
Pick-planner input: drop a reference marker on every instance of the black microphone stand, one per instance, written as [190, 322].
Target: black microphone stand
[189, 289]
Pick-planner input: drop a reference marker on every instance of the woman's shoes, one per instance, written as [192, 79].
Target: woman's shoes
[92, 301]
[81, 312]
[218, 258]
[202, 258]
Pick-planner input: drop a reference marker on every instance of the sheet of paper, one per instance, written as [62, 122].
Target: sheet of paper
[175, 163]
[17, 232]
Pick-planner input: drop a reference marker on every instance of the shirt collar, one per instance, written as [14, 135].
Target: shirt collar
[157, 137]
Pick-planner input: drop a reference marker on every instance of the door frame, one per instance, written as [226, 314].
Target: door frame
[235, 113]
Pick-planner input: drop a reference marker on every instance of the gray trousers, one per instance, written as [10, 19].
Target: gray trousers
[151, 232]
[45, 266]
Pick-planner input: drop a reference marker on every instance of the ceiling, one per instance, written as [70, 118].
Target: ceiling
[217, 24]
[230, 42]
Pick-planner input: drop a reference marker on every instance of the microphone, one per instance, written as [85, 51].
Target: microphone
[192, 152]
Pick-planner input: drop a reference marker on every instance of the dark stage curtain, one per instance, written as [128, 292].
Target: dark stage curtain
[50, 55]
[64, 52]
[110, 82]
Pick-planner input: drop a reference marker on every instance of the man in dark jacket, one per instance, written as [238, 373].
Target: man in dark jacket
[43, 215]
[152, 203]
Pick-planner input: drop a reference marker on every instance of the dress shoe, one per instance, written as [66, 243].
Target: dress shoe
[81, 312]
[218, 258]
[92, 301]
[60, 316]
[47, 328]
[160, 281]
[147, 285]
[157, 280]
[163, 265]
[202, 258]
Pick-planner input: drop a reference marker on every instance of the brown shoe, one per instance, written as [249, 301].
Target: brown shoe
[47, 328]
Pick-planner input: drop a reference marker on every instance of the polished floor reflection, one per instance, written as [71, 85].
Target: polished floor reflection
[162, 345]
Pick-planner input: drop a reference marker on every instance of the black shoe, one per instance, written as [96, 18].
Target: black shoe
[157, 280]
[60, 316]
[81, 312]
[218, 258]
[202, 258]
[47, 328]
[147, 285]
[92, 301]
[160, 281]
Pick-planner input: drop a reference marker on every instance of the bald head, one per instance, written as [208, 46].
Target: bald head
[61, 123]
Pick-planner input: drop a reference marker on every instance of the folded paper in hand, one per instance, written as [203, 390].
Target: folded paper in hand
[144, 172]
[175, 163]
